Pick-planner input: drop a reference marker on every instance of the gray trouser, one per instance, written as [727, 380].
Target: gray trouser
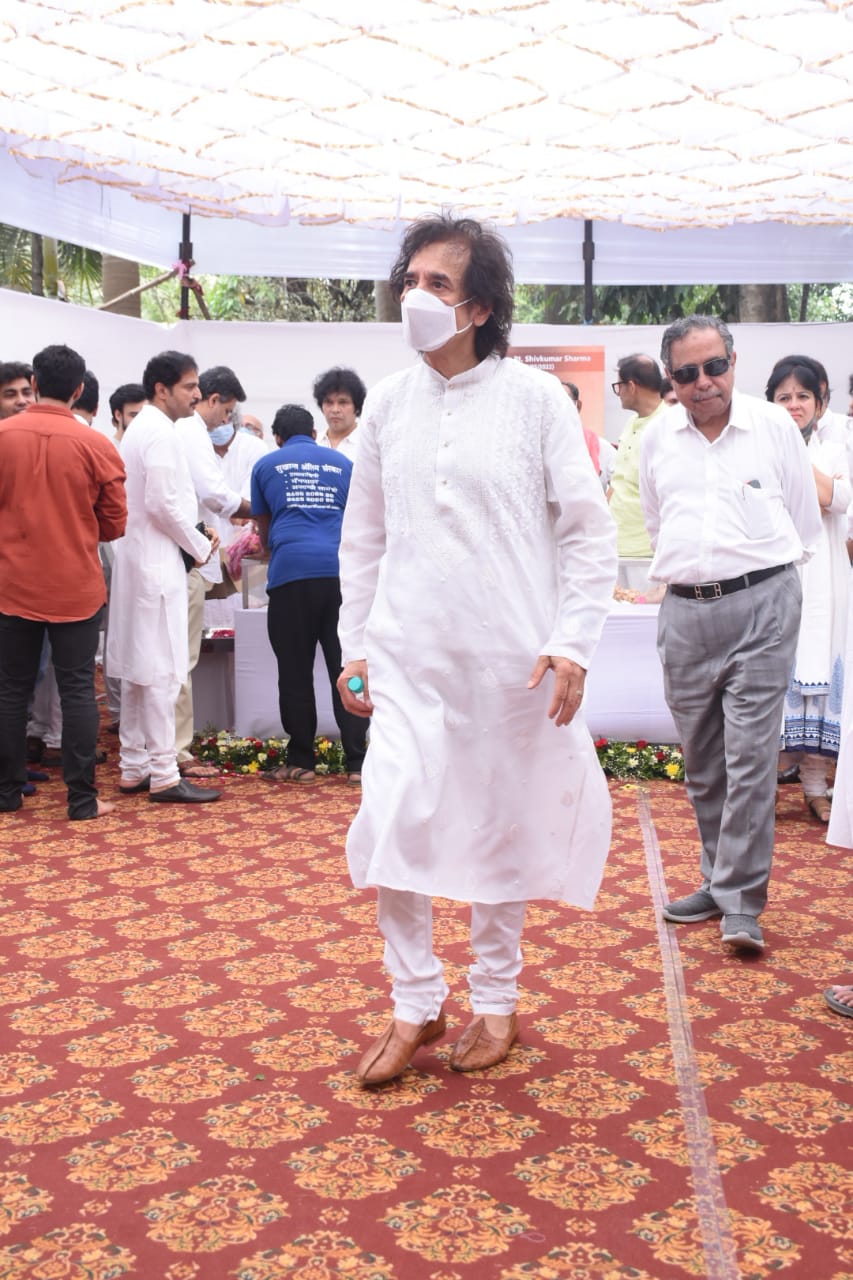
[726, 667]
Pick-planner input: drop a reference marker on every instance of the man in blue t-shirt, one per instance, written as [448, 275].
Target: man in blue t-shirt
[298, 497]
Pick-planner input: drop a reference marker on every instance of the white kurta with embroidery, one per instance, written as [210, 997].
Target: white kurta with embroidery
[475, 538]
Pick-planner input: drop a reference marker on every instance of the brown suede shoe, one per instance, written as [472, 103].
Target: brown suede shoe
[389, 1056]
[476, 1049]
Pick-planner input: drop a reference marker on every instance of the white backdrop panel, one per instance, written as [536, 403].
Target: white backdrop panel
[278, 362]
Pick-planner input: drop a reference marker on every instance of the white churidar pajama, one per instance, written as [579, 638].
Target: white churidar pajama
[147, 645]
[475, 538]
[405, 922]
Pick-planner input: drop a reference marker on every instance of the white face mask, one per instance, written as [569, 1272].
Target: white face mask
[429, 323]
[222, 435]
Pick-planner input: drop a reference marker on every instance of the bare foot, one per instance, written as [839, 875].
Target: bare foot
[104, 807]
[844, 994]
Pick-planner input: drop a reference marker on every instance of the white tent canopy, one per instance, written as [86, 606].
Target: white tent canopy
[706, 141]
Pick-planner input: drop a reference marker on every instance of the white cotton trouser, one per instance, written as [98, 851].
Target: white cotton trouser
[419, 989]
[184, 718]
[147, 733]
[46, 711]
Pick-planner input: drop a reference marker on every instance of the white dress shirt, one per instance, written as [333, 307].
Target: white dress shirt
[215, 496]
[716, 510]
[348, 446]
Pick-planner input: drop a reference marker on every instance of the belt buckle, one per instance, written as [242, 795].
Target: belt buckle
[699, 591]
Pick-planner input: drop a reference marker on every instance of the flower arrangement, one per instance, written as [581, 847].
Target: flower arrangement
[640, 759]
[236, 755]
[254, 755]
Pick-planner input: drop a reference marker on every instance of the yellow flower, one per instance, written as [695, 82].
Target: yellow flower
[632, 751]
[253, 767]
[673, 769]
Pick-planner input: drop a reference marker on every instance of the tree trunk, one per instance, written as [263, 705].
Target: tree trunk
[763, 304]
[556, 300]
[387, 303]
[119, 275]
[37, 265]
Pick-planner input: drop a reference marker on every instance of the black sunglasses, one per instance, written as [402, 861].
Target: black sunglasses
[711, 368]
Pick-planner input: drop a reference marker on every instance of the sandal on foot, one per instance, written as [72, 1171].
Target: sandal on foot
[837, 1005]
[198, 769]
[290, 773]
[820, 807]
[354, 779]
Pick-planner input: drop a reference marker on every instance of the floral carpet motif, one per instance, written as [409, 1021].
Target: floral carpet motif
[184, 996]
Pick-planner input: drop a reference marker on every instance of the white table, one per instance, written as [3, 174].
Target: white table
[624, 688]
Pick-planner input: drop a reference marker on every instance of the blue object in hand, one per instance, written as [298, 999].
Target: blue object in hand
[355, 684]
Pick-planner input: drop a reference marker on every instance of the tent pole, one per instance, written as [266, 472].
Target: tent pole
[185, 253]
[588, 259]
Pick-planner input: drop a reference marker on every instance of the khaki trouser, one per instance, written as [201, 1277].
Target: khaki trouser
[184, 725]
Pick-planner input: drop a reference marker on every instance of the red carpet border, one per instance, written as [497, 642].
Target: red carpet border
[185, 992]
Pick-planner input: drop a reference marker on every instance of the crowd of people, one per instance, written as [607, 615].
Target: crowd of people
[447, 544]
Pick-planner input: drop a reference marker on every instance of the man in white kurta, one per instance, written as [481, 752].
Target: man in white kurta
[477, 553]
[147, 645]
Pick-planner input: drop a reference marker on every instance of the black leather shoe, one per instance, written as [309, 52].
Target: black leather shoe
[184, 792]
[135, 788]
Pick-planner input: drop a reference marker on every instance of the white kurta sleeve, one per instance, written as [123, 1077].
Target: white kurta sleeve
[798, 488]
[208, 477]
[648, 492]
[362, 540]
[584, 536]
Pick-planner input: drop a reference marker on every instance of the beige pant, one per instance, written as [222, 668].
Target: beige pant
[184, 725]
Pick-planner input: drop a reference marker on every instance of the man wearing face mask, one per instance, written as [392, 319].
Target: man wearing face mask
[477, 566]
[220, 390]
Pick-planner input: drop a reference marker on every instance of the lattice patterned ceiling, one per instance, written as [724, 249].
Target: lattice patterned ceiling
[657, 113]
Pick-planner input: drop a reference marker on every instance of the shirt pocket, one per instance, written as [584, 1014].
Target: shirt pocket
[759, 508]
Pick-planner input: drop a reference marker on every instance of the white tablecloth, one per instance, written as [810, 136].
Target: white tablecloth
[256, 681]
[624, 688]
[624, 685]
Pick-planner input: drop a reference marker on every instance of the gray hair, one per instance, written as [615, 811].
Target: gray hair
[680, 328]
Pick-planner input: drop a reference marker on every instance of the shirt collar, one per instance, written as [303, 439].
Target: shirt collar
[738, 415]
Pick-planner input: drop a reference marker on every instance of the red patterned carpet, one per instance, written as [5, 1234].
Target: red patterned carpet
[184, 994]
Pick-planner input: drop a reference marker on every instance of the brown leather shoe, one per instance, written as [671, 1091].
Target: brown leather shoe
[476, 1049]
[389, 1056]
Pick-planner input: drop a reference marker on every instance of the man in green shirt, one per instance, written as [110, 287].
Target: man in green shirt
[638, 387]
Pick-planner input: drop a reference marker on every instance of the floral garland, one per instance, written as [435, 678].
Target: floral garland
[232, 754]
[640, 759]
[252, 755]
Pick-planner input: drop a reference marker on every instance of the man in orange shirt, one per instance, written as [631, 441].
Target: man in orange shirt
[61, 492]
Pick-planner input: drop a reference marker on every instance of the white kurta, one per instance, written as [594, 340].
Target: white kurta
[475, 538]
[148, 603]
[812, 712]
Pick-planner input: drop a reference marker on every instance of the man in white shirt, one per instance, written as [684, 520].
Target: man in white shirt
[147, 643]
[220, 391]
[731, 507]
[340, 394]
[477, 568]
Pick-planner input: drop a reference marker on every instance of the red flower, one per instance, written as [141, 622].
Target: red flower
[660, 755]
[600, 742]
[272, 754]
[641, 744]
